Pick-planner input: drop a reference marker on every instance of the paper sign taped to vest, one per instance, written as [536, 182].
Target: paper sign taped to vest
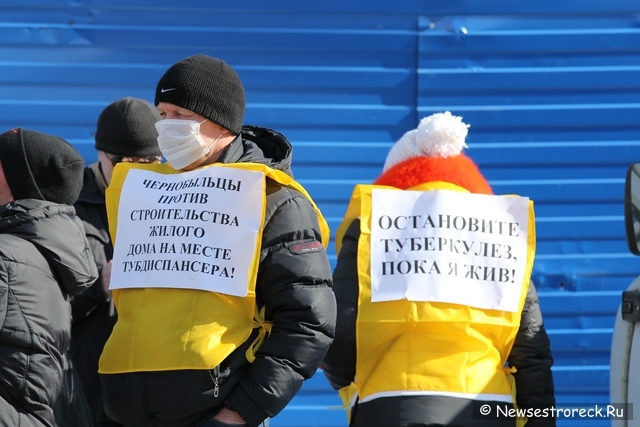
[193, 230]
[448, 246]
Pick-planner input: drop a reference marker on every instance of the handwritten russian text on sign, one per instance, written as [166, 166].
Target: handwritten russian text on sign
[448, 246]
[193, 230]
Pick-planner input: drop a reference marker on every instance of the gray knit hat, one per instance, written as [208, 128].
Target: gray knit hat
[126, 127]
[40, 166]
[207, 86]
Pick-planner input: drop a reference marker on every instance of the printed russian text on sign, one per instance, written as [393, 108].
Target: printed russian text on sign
[195, 230]
[448, 246]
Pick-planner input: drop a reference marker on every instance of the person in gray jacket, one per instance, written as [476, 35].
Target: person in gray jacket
[44, 258]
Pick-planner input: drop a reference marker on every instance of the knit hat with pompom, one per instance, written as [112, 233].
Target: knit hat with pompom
[433, 152]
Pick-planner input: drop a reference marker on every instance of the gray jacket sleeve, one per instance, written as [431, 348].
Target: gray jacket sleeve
[96, 229]
[531, 356]
[294, 285]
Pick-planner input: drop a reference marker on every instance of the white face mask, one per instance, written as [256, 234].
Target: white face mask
[181, 142]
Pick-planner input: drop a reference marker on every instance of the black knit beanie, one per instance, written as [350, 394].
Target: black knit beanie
[126, 127]
[41, 166]
[207, 86]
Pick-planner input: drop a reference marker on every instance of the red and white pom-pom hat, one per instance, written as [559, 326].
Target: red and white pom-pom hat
[433, 152]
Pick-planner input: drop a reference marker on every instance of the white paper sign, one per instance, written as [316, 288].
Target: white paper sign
[448, 246]
[193, 230]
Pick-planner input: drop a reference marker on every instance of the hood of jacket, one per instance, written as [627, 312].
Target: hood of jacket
[260, 145]
[58, 234]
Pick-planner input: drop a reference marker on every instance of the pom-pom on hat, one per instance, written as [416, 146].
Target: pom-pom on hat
[126, 127]
[40, 166]
[433, 152]
[438, 135]
[207, 86]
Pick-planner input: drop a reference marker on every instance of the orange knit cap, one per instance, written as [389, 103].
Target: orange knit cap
[433, 152]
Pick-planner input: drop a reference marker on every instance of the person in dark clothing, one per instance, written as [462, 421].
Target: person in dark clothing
[407, 358]
[44, 259]
[71, 407]
[125, 132]
[220, 274]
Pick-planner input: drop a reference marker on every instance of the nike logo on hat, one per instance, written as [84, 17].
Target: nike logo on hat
[163, 90]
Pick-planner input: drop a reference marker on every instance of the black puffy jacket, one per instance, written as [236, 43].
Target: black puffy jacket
[44, 257]
[530, 355]
[293, 285]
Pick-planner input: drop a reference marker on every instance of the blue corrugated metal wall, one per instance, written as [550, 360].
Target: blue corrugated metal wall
[551, 90]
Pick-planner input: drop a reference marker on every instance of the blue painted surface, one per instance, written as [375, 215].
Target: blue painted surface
[551, 90]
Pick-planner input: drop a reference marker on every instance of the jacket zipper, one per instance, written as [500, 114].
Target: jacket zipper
[214, 377]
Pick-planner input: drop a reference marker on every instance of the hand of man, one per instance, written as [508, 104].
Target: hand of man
[229, 416]
[106, 278]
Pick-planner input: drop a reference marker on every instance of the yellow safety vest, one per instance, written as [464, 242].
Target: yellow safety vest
[161, 329]
[427, 348]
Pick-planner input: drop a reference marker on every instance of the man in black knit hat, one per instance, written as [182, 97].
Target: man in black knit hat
[220, 275]
[44, 258]
[125, 132]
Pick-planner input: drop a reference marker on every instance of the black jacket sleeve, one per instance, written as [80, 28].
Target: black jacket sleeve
[531, 356]
[339, 365]
[294, 284]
